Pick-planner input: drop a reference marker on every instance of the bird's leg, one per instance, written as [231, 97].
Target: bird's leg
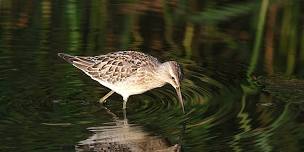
[124, 104]
[103, 99]
[125, 120]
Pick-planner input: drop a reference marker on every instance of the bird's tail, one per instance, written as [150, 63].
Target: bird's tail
[68, 58]
[79, 62]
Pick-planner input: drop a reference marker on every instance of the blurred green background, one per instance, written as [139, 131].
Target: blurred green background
[243, 63]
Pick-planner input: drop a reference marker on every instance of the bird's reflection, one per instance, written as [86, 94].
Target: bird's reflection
[119, 135]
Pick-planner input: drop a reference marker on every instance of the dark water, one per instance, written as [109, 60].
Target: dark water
[243, 86]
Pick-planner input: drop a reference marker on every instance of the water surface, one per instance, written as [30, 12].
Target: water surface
[243, 86]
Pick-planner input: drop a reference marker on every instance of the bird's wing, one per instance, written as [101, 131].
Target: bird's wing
[118, 66]
[112, 67]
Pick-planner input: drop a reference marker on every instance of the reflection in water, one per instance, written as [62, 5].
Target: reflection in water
[119, 135]
[45, 105]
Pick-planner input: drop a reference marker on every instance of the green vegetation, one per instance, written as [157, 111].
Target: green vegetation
[224, 46]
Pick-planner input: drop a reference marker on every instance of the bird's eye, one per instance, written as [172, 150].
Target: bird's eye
[172, 78]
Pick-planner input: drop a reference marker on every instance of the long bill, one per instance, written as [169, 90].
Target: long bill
[179, 94]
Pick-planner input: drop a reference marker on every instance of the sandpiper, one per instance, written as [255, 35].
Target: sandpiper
[128, 72]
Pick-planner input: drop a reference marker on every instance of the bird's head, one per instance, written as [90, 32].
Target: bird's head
[173, 74]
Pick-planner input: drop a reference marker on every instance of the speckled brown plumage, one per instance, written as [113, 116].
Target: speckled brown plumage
[114, 67]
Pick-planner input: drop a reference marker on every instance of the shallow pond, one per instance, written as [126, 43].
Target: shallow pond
[243, 83]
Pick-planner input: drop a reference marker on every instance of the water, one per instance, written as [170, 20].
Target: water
[243, 91]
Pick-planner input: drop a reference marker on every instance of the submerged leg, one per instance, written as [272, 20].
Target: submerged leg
[103, 99]
[125, 120]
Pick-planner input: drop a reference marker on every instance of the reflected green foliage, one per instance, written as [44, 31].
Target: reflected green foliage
[258, 37]
[285, 89]
[243, 63]
[217, 14]
[73, 25]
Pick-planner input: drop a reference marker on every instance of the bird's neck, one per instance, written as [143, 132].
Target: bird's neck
[162, 72]
[162, 69]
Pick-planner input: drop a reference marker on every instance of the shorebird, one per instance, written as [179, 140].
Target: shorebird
[129, 72]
